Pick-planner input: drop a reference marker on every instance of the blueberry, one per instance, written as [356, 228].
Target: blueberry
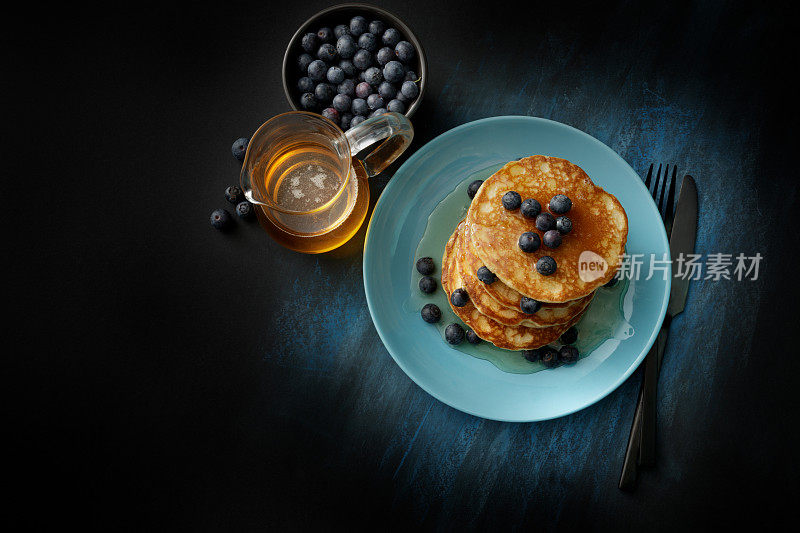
[391, 37]
[340, 30]
[396, 106]
[409, 89]
[309, 42]
[560, 204]
[346, 120]
[305, 84]
[568, 355]
[402, 98]
[325, 35]
[545, 222]
[362, 60]
[358, 119]
[341, 103]
[335, 75]
[425, 266]
[431, 313]
[404, 51]
[377, 27]
[363, 90]
[384, 55]
[546, 265]
[373, 76]
[512, 200]
[359, 107]
[564, 225]
[308, 101]
[327, 52]
[346, 46]
[324, 92]
[221, 219]
[331, 114]
[394, 71]
[347, 87]
[528, 305]
[459, 298]
[368, 41]
[358, 25]
[552, 238]
[303, 62]
[454, 333]
[387, 91]
[374, 101]
[412, 76]
[317, 70]
[569, 336]
[613, 281]
[378, 112]
[472, 190]
[427, 284]
[532, 355]
[234, 194]
[486, 275]
[348, 67]
[239, 148]
[529, 242]
[530, 208]
[245, 210]
[549, 357]
[472, 337]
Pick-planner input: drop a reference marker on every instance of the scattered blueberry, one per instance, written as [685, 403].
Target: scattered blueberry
[528, 305]
[613, 281]
[245, 210]
[348, 67]
[358, 119]
[560, 204]
[512, 200]
[358, 25]
[409, 89]
[472, 190]
[368, 41]
[530, 208]
[327, 52]
[234, 194]
[373, 76]
[532, 355]
[569, 336]
[387, 90]
[552, 238]
[378, 112]
[363, 90]
[427, 284]
[308, 101]
[545, 222]
[309, 42]
[400, 96]
[374, 101]
[396, 106]
[568, 355]
[347, 87]
[425, 266]
[391, 37]
[341, 103]
[346, 120]
[394, 71]
[549, 357]
[546, 265]
[486, 275]
[563, 225]
[384, 55]
[331, 114]
[303, 62]
[335, 75]
[454, 333]
[317, 70]
[221, 219]
[359, 107]
[324, 92]
[346, 46]
[404, 51]
[377, 27]
[362, 60]
[472, 337]
[340, 30]
[431, 313]
[529, 242]
[305, 84]
[325, 35]
[239, 148]
[459, 298]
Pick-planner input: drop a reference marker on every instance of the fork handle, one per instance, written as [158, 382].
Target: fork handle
[627, 480]
[647, 448]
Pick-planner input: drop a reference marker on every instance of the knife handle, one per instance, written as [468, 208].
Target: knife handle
[647, 447]
[627, 480]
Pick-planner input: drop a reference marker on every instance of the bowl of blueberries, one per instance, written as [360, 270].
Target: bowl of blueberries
[354, 61]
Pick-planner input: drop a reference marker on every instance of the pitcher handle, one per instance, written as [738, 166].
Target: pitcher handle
[393, 127]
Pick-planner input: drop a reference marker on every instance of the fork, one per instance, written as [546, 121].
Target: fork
[635, 454]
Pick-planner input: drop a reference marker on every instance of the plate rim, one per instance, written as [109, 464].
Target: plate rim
[420, 152]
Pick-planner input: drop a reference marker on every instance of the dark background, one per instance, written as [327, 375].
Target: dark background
[167, 376]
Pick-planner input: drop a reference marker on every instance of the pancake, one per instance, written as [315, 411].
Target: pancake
[600, 226]
[547, 315]
[507, 337]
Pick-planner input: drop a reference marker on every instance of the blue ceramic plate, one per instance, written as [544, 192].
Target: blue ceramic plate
[474, 385]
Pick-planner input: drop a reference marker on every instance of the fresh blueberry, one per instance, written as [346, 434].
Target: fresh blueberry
[532, 355]
[530, 208]
[552, 238]
[346, 120]
[528, 305]
[310, 42]
[546, 265]
[384, 55]
[305, 84]
[335, 75]
[234, 194]
[425, 266]
[426, 283]
[409, 89]
[396, 106]
[391, 37]
[387, 91]
[378, 112]
[363, 90]
[529, 242]
[348, 67]
[325, 35]
[486, 275]
[459, 298]
[245, 210]
[569, 336]
[431, 313]
[346, 46]
[374, 101]
[472, 190]
[472, 337]
[454, 333]
[358, 25]
[545, 222]
[358, 119]
[394, 71]
[400, 96]
[411, 76]
[347, 87]
[340, 30]
[512, 200]
[563, 225]
[560, 204]
[239, 148]
[317, 70]
[368, 41]
[221, 219]
[359, 107]
[373, 76]
[404, 51]
[327, 52]
[613, 281]
[568, 355]
[308, 101]
[362, 60]
[303, 62]
[549, 357]
[324, 92]
[341, 103]
[377, 27]
[331, 114]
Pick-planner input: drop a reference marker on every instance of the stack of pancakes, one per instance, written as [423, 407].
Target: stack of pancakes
[489, 235]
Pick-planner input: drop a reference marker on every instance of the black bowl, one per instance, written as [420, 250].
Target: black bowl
[342, 14]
